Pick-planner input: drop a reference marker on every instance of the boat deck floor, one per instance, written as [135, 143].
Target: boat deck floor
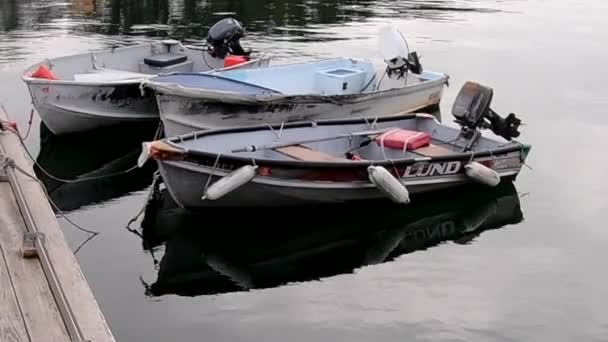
[301, 152]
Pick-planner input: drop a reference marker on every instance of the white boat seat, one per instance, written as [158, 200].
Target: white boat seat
[108, 75]
[165, 59]
[304, 153]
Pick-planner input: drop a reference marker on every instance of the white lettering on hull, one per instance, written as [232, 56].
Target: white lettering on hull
[430, 170]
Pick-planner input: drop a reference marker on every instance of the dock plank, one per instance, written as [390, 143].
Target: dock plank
[12, 326]
[79, 295]
[42, 318]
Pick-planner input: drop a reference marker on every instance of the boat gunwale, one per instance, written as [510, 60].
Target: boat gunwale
[215, 96]
[512, 146]
[210, 74]
[190, 93]
[25, 75]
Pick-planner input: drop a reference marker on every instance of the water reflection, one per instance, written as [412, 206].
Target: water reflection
[94, 161]
[191, 18]
[225, 251]
[26, 26]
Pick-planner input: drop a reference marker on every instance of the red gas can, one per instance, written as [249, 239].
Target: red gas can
[398, 138]
[234, 60]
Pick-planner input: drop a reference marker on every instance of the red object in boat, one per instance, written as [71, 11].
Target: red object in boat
[234, 60]
[44, 72]
[397, 138]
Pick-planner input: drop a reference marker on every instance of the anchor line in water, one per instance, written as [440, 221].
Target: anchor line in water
[153, 191]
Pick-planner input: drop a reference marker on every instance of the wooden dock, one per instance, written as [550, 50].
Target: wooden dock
[43, 294]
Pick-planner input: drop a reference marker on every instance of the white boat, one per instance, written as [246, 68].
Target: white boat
[102, 88]
[341, 161]
[310, 90]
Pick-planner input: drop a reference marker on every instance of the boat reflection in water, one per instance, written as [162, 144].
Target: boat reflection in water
[213, 251]
[95, 161]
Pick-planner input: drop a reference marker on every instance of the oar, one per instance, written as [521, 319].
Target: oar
[252, 148]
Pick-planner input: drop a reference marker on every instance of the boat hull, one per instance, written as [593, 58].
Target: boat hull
[81, 99]
[186, 184]
[75, 108]
[182, 114]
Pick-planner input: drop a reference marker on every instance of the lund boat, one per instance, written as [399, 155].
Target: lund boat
[337, 161]
[312, 90]
[102, 88]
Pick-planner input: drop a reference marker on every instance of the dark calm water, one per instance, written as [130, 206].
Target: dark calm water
[519, 263]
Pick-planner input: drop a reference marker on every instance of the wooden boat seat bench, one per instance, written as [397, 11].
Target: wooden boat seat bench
[305, 153]
[432, 151]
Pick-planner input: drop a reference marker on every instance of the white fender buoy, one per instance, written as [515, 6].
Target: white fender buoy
[230, 182]
[388, 184]
[482, 173]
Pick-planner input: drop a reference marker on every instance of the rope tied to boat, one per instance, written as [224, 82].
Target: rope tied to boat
[153, 192]
[142, 88]
[373, 124]
[278, 135]
[12, 126]
[521, 155]
[6, 161]
[217, 161]
[78, 180]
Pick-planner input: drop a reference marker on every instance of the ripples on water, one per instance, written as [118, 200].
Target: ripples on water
[118, 22]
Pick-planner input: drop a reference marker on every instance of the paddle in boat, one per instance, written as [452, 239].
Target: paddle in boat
[311, 90]
[102, 88]
[337, 161]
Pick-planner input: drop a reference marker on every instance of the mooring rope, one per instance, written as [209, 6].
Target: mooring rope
[29, 126]
[6, 161]
[84, 179]
[153, 190]
[217, 160]
[60, 212]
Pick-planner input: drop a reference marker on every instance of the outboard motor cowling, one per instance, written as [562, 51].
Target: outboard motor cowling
[224, 38]
[472, 112]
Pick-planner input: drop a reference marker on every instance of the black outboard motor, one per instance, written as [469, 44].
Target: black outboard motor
[472, 111]
[223, 38]
[400, 65]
